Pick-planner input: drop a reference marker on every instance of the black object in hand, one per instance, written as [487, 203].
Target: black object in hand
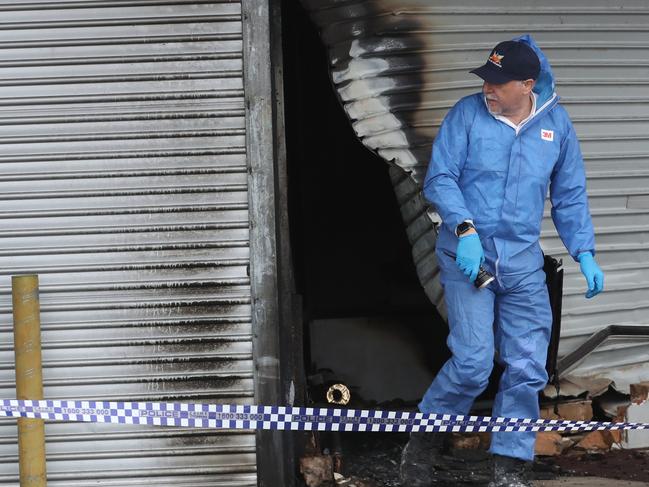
[483, 278]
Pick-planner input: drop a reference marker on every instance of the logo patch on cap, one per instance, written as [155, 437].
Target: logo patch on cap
[496, 59]
[547, 135]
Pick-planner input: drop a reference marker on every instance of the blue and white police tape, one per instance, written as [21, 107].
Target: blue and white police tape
[200, 415]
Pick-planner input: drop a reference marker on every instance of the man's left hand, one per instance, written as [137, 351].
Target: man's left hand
[593, 274]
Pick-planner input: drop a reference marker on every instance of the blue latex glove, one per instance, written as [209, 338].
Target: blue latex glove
[593, 274]
[469, 255]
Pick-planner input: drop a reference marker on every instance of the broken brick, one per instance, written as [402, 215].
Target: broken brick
[548, 444]
[597, 440]
[616, 436]
[576, 411]
[621, 414]
[317, 470]
[548, 413]
[572, 411]
[465, 441]
[639, 392]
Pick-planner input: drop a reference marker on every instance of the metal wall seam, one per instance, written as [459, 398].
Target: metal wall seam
[398, 66]
[123, 184]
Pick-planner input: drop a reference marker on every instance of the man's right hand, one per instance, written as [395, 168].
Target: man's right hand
[469, 255]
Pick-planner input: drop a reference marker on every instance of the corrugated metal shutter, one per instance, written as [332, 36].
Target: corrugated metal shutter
[399, 66]
[123, 184]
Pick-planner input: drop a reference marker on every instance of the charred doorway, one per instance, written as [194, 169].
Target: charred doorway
[367, 321]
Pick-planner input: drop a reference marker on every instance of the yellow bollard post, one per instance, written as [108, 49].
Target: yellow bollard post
[29, 378]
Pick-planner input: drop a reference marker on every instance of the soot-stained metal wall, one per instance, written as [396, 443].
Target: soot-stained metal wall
[123, 183]
[399, 65]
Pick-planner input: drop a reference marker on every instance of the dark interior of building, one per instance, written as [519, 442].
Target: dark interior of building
[351, 254]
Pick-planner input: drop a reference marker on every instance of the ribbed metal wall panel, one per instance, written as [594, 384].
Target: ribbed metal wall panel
[123, 184]
[398, 67]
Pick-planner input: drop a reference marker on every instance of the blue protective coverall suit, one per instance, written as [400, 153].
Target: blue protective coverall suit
[482, 170]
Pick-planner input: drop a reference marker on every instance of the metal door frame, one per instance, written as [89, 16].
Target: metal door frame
[277, 343]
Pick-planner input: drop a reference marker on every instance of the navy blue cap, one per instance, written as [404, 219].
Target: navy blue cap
[510, 60]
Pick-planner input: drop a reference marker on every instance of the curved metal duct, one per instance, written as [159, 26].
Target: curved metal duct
[378, 70]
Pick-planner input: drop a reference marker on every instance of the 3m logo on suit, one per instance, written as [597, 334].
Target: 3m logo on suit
[547, 135]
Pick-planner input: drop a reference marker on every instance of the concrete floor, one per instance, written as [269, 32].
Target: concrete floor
[587, 482]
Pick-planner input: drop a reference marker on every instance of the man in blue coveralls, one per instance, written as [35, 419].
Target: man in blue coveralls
[495, 156]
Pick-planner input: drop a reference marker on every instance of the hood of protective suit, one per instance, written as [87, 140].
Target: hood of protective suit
[544, 87]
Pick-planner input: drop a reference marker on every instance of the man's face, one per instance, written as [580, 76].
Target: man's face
[508, 98]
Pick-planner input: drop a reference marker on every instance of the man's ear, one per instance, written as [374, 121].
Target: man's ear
[528, 85]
